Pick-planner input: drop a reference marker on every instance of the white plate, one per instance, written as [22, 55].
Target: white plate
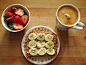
[39, 60]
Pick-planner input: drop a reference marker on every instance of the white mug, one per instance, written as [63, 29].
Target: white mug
[64, 27]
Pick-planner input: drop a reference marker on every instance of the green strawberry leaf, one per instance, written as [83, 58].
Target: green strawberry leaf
[11, 25]
[11, 28]
[5, 16]
[13, 18]
[24, 12]
[5, 21]
[15, 8]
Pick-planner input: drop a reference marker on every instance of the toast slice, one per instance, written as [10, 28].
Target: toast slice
[46, 54]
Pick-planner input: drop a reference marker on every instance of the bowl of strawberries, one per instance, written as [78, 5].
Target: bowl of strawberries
[15, 17]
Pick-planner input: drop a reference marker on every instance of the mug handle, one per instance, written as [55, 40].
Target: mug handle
[80, 24]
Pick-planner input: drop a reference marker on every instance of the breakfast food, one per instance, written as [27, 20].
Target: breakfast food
[42, 51]
[67, 15]
[41, 43]
[50, 51]
[33, 51]
[49, 44]
[16, 19]
[40, 36]
[32, 36]
[32, 44]
[19, 12]
[49, 37]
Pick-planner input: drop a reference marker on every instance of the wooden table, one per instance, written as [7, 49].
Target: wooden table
[43, 12]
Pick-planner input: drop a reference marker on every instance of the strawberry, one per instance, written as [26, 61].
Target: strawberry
[17, 19]
[13, 9]
[25, 19]
[8, 14]
[19, 12]
[9, 19]
[17, 26]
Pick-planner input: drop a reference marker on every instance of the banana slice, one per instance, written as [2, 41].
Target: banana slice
[40, 44]
[49, 37]
[33, 51]
[50, 44]
[42, 51]
[32, 36]
[32, 44]
[50, 51]
[40, 36]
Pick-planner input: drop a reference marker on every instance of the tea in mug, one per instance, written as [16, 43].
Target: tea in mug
[67, 15]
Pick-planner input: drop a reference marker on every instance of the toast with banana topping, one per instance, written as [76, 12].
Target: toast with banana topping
[41, 43]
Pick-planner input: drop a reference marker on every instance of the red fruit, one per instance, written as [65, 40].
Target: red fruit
[17, 26]
[9, 19]
[19, 12]
[8, 14]
[25, 19]
[17, 19]
[13, 9]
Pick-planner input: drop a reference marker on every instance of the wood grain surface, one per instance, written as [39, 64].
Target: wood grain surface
[43, 12]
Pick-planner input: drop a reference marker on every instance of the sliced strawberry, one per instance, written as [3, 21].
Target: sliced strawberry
[13, 9]
[17, 19]
[9, 19]
[17, 26]
[25, 19]
[19, 12]
[8, 14]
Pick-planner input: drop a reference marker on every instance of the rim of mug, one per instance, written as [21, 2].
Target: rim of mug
[3, 15]
[74, 8]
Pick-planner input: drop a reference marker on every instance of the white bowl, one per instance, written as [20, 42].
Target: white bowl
[8, 9]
